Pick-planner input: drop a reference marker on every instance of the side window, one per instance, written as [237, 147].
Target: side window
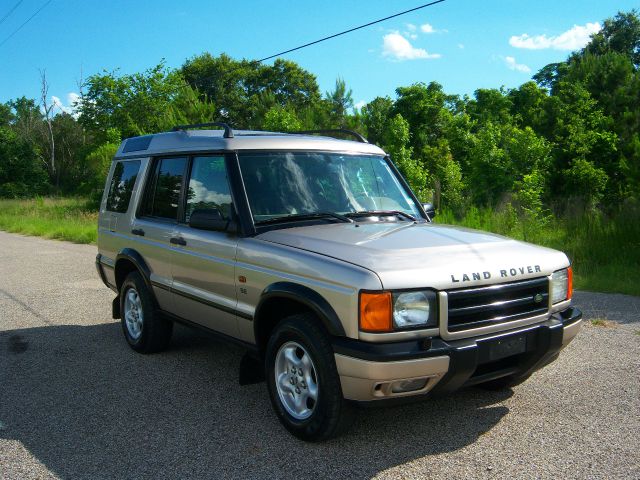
[208, 186]
[163, 189]
[122, 182]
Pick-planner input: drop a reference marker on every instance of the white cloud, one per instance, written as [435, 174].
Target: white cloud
[70, 107]
[513, 65]
[426, 28]
[57, 103]
[73, 98]
[359, 105]
[573, 39]
[396, 47]
[411, 27]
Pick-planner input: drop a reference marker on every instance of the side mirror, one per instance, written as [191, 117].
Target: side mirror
[211, 219]
[430, 210]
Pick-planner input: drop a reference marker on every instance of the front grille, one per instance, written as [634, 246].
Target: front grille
[481, 307]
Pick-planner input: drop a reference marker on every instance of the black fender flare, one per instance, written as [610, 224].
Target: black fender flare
[306, 296]
[136, 259]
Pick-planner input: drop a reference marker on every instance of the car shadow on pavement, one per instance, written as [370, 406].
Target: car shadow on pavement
[86, 406]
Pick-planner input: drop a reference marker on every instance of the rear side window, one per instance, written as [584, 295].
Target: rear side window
[124, 178]
[165, 185]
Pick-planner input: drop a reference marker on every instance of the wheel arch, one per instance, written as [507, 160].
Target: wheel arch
[282, 299]
[127, 261]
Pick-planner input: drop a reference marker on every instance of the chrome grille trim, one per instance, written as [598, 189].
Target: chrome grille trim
[482, 310]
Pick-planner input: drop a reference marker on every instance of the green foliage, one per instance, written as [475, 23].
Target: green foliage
[243, 90]
[21, 171]
[340, 102]
[71, 219]
[279, 119]
[604, 251]
[396, 141]
[188, 107]
[134, 104]
[528, 162]
[99, 161]
[587, 180]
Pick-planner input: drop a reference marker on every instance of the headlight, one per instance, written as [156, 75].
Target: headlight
[414, 309]
[561, 285]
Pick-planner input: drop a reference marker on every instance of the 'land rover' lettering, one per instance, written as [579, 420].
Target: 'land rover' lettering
[505, 273]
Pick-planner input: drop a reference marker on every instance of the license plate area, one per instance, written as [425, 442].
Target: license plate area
[503, 347]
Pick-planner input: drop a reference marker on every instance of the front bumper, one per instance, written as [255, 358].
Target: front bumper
[371, 371]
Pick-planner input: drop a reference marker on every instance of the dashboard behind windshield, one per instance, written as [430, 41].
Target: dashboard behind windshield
[282, 184]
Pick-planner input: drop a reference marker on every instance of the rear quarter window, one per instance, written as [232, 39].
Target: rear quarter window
[124, 178]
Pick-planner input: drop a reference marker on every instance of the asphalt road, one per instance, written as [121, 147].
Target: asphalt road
[76, 402]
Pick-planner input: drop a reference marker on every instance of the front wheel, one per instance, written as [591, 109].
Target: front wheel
[303, 380]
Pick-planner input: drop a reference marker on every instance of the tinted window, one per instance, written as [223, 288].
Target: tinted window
[163, 195]
[208, 186]
[122, 182]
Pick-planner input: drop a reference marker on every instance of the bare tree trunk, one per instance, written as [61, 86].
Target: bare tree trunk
[48, 109]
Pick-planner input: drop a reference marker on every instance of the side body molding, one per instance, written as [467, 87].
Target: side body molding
[306, 296]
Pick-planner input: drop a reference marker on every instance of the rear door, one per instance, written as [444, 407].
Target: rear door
[204, 289]
[156, 223]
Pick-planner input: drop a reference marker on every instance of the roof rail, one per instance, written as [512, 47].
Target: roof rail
[228, 131]
[359, 137]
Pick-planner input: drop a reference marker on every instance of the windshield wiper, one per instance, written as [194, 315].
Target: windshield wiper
[370, 213]
[295, 217]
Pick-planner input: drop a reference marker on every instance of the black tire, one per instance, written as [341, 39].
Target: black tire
[503, 383]
[155, 332]
[331, 414]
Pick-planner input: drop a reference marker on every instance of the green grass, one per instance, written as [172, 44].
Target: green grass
[605, 252]
[603, 322]
[71, 219]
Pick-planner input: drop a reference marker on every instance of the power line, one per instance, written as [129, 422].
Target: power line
[25, 22]
[10, 11]
[350, 30]
[255, 62]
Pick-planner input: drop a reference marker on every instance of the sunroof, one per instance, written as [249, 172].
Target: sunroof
[136, 144]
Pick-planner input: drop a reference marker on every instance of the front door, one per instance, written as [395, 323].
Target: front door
[204, 289]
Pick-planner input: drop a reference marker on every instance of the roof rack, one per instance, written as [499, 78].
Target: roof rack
[228, 131]
[359, 137]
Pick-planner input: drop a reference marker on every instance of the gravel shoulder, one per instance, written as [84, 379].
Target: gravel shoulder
[76, 402]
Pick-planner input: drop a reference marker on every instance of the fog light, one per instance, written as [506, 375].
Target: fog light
[408, 385]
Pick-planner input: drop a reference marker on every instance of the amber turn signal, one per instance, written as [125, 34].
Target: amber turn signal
[375, 312]
[569, 283]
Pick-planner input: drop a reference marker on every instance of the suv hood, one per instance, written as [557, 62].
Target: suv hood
[409, 255]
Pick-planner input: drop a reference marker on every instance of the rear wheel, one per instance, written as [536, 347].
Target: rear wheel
[145, 330]
[303, 380]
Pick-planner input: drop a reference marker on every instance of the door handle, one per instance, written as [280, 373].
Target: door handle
[138, 231]
[178, 241]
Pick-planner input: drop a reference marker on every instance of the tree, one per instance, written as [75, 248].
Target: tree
[340, 101]
[490, 105]
[620, 34]
[133, 104]
[21, 171]
[244, 91]
[375, 117]
[279, 119]
[47, 108]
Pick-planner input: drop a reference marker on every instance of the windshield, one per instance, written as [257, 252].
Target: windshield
[282, 184]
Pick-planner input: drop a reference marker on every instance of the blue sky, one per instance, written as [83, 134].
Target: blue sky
[462, 44]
